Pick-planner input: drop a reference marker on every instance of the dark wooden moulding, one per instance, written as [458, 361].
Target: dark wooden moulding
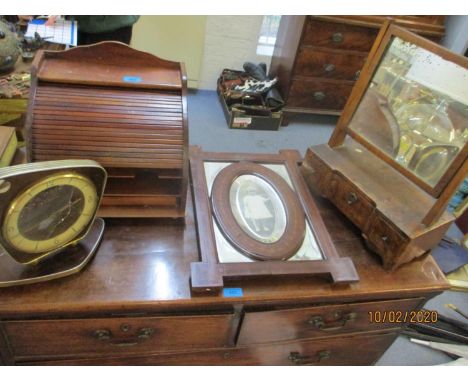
[400, 216]
[208, 274]
[124, 108]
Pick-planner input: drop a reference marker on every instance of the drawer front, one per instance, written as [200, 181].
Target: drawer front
[114, 336]
[324, 63]
[350, 200]
[358, 350]
[318, 94]
[338, 36]
[386, 238]
[321, 174]
[320, 321]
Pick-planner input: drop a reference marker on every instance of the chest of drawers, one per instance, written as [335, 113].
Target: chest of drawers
[132, 305]
[318, 58]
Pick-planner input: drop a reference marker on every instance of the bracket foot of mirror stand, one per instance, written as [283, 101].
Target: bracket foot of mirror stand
[71, 260]
[210, 277]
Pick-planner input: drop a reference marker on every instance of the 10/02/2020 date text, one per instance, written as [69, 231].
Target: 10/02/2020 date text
[402, 317]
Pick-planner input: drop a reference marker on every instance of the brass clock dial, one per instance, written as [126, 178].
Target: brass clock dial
[50, 213]
[48, 206]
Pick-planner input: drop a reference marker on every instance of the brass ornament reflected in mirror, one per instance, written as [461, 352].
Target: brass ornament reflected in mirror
[419, 101]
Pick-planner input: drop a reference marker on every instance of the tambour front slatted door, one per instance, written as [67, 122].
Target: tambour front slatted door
[123, 108]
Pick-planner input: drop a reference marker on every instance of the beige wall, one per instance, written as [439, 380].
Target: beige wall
[206, 44]
[176, 38]
[229, 42]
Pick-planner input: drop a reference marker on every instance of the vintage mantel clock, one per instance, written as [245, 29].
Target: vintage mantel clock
[123, 108]
[256, 217]
[400, 149]
[48, 221]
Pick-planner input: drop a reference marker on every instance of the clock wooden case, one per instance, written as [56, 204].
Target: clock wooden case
[255, 217]
[399, 150]
[123, 108]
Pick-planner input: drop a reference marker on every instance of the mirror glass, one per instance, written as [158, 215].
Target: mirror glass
[257, 208]
[415, 110]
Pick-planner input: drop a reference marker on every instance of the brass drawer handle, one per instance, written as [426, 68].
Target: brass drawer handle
[351, 198]
[341, 320]
[329, 68]
[102, 334]
[106, 335]
[337, 37]
[298, 359]
[319, 96]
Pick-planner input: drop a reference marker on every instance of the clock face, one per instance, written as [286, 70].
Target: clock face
[50, 213]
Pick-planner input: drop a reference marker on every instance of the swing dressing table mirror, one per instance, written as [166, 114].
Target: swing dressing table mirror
[399, 150]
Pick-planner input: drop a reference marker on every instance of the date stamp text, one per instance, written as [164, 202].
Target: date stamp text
[402, 317]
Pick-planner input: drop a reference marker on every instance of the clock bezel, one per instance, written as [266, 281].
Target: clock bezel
[22, 177]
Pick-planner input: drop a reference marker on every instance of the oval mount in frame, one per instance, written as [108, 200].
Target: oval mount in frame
[294, 232]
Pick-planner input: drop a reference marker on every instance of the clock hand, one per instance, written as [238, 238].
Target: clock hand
[29, 229]
[69, 206]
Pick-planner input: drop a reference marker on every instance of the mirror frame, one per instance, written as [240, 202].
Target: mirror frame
[457, 170]
[208, 274]
[293, 236]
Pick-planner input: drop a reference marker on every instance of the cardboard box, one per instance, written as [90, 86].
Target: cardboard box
[240, 120]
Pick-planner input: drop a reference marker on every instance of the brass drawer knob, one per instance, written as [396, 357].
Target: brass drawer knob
[319, 96]
[329, 68]
[337, 37]
[298, 359]
[351, 198]
[341, 320]
[102, 334]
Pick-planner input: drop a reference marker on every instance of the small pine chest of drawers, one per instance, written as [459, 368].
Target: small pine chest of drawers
[317, 59]
[132, 305]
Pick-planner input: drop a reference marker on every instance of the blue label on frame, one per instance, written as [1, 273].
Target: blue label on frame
[233, 292]
[133, 79]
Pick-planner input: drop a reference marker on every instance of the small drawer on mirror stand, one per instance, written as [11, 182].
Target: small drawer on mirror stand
[352, 202]
[384, 238]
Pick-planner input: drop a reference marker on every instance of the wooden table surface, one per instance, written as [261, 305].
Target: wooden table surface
[143, 266]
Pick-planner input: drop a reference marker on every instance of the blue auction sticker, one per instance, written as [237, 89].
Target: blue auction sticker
[233, 292]
[133, 79]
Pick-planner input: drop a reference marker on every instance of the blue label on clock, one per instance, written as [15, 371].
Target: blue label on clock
[133, 79]
[233, 292]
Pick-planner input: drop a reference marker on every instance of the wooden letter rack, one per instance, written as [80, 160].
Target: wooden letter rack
[121, 107]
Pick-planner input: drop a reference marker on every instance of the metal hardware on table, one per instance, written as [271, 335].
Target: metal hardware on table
[106, 335]
[341, 320]
[125, 327]
[298, 359]
[329, 68]
[385, 239]
[102, 334]
[337, 37]
[144, 333]
[319, 96]
[357, 74]
[351, 198]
